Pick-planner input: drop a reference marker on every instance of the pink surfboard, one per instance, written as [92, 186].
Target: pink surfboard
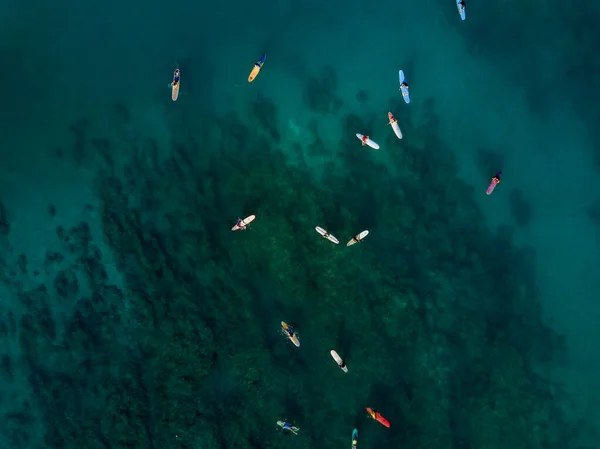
[495, 181]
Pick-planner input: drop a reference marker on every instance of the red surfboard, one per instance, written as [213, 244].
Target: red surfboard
[377, 417]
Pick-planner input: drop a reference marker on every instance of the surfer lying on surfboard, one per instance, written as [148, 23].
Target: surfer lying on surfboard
[354, 438]
[175, 78]
[340, 363]
[395, 126]
[462, 5]
[377, 417]
[257, 68]
[493, 183]
[364, 140]
[174, 85]
[287, 426]
[289, 332]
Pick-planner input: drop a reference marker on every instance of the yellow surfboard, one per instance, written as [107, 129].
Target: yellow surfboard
[257, 68]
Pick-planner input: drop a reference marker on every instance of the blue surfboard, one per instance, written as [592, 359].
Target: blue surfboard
[403, 88]
[462, 13]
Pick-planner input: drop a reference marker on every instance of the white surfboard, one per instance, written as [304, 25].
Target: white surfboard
[395, 125]
[357, 238]
[338, 360]
[367, 141]
[243, 223]
[326, 234]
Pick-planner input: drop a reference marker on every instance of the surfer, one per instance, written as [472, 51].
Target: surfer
[342, 365]
[287, 426]
[289, 332]
[462, 6]
[175, 78]
[378, 417]
[495, 180]
[356, 238]
[364, 140]
[404, 83]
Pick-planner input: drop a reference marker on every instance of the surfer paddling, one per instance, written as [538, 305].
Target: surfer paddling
[289, 332]
[357, 238]
[395, 126]
[242, 224]
[340, 363]
[377, 417]
[175, 85]
[258, 65]
[326, 235]
[494, 182]
[461, 6]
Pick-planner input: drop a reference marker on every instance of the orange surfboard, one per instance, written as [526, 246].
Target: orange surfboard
[257, 68]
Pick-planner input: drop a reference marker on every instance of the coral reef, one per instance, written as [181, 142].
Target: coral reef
[440, 337]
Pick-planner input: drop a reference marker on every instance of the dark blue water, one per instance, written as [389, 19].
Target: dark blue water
[132, 317]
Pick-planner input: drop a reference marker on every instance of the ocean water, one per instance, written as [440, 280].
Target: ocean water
[132, 317]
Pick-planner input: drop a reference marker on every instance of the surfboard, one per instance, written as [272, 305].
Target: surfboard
[325, 234]
[462, 13]
[492, 186]
[367, 141]
[243, 223]
[338, 360]
[354, 438]
[257, 68]
[357, 238]
[404, 89]
[395, 125]
[175, 87]
[294, 339]
[378, 417]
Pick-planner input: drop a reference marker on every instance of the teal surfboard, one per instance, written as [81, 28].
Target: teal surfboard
[354, 438]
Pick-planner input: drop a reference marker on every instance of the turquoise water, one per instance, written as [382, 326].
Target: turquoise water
[132, 317]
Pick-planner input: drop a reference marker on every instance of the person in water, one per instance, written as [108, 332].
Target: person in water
[288, 330]
[462, 4]
[364, 140]
[342, 365]
[175, 78]
[497, 177]
[288, 426]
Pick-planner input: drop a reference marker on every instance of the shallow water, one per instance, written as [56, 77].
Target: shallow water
[133, 317]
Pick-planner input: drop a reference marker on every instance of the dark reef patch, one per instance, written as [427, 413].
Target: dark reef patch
[439, 315]
[362, 97]
[263, 116]
[321, 93]
[520, 208]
